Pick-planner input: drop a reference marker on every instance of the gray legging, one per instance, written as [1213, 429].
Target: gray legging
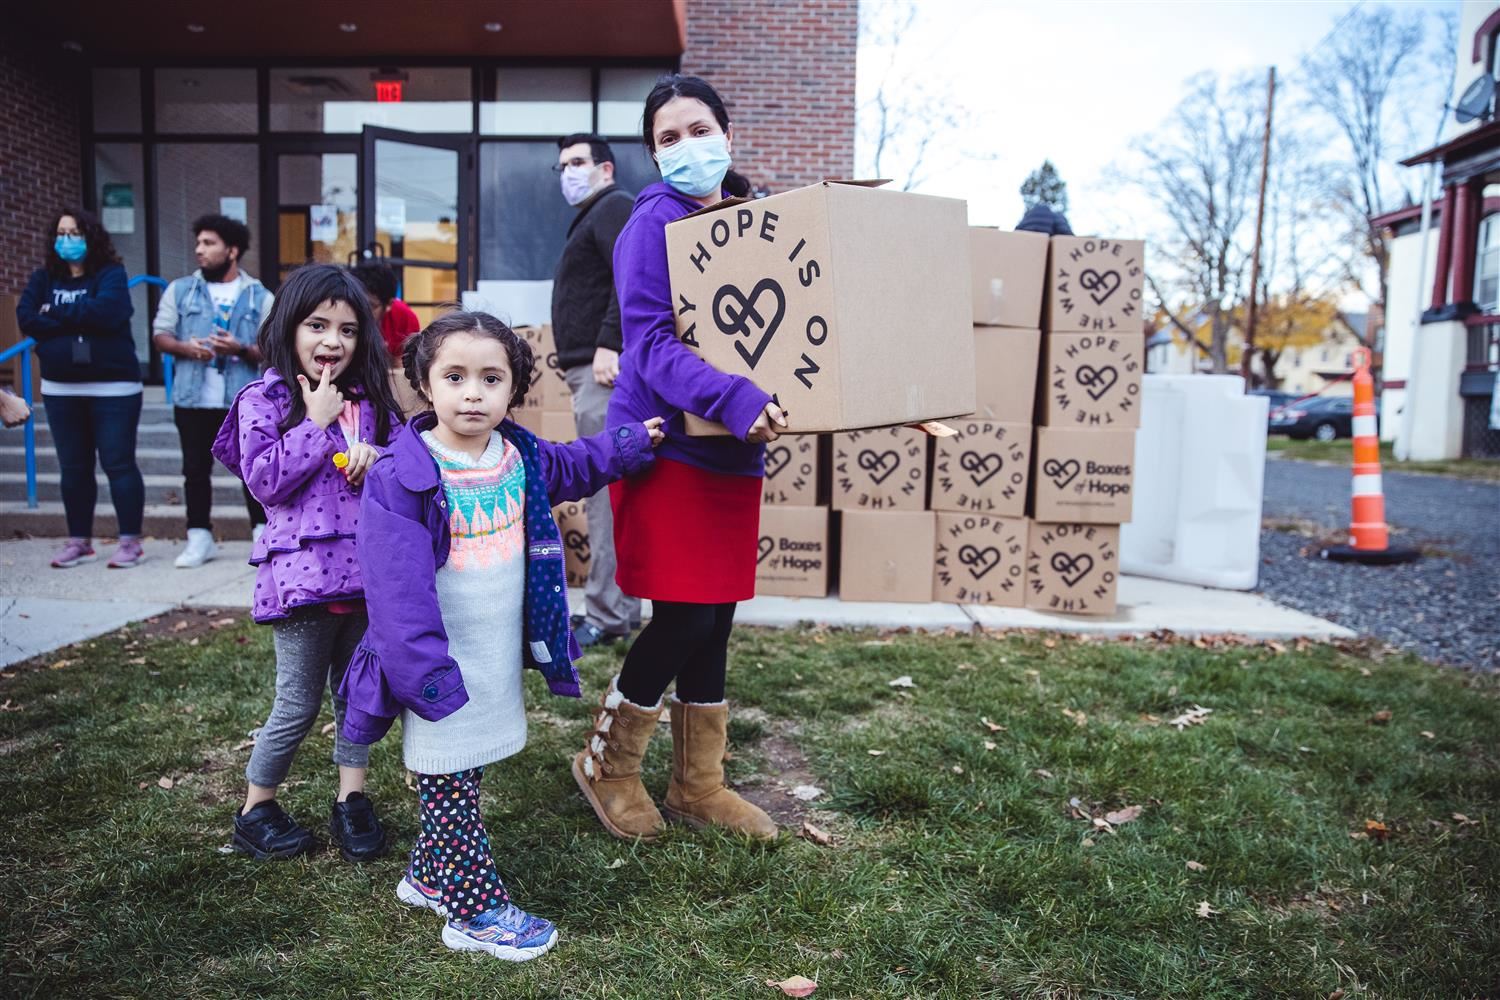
[313, 648]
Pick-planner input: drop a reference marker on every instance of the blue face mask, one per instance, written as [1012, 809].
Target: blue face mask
[696, 167]
[71, 248]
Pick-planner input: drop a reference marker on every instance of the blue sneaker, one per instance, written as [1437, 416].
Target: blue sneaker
[415, 893]
[510, 933]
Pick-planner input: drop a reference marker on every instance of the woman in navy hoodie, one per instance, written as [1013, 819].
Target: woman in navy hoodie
[77, 307]
[685, 532]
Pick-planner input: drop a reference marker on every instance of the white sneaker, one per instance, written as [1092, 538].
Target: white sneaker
[256, 532]
[200, 549]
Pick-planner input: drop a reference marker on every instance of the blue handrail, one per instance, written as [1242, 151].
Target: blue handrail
[23, 351]
[168, 363]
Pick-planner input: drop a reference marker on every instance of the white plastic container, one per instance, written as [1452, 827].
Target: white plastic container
[1200, 472]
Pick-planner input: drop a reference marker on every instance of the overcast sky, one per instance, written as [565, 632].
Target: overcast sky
[1076, 80]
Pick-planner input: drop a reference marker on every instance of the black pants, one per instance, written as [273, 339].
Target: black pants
[197, 429]
[685, 642]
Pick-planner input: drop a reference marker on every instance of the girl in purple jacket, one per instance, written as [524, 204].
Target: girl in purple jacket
[302, 438]
[464, 577]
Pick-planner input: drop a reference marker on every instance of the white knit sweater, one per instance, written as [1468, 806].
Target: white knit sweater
[481, 593]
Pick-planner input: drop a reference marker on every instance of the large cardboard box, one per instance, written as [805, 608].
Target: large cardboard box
[887, 556]
[792, 472]
[980, 560]
[558, 427]
[573, 525]
[1084, 476]
[882, 469]
[793, 557]
[1072, 568]
[982, 469]
[1005, 367]
[1091, 380]
[849, 304]
[1009, 270]
[1095, 285]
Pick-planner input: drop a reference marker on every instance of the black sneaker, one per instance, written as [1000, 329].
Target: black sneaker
[588, 634]
[267, 833]
[356, 829]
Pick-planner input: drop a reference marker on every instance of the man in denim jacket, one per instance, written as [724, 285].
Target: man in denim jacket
[209, 322]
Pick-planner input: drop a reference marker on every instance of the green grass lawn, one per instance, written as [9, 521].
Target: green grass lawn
[1342, 453]
[966, 862]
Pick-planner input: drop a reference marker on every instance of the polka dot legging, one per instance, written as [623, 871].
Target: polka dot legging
[452, 853]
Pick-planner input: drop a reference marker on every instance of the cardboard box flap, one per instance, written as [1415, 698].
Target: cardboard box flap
[872, 183]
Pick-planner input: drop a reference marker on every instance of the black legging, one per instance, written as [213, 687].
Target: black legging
[689, 642]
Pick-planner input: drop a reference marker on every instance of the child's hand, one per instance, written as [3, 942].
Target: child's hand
[653, 428]
[361, 457]
[325, 403]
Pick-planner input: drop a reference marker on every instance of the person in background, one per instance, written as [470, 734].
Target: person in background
[77, 308]
[397, 322]
[1046, 220]
[209, 321]
[586, 330]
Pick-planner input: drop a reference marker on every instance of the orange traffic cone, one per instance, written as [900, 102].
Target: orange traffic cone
[1369, 535]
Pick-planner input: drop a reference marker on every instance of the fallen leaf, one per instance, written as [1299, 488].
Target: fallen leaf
[1194, 716]
[1088, 842]
[1075, 806]
[815, 834]
[244, 745]
[1463, 820]
[10, 706]
[1364, 672]
[616, 863]
[797, 986]
[180, 626]
[876, 753]
[137, 661]
[904, 681]
[1376, 831]
[1205, 911]
[1336, 995]
[993, 727]
[989, 744]
[806, 792]
[1429, 734]
[1275, 646]
[966, 666]
[327, 728]
[164, 782]
[221, 623]
[142, 786]
[1035, 675]
[194, 641]
[1127, 815]
[1079, 718]
[957, 769]
[1042, 772]
[1195, 866]
[1050, 643]
[61, 664]
[1381, 717]
[876, 642]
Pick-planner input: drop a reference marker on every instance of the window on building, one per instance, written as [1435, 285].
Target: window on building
[199, 100]
[537, 101]
[622, 98]
[202, 178]
[117, 99]
[346, 99]
[120, 179]
[1487, 266]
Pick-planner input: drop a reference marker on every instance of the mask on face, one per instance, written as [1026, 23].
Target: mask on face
[71, 248]
[696, 167]
[575, 184]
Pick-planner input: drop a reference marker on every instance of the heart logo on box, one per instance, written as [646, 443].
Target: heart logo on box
[1097, 381]
[879, 465]
[1099, 285]
[981, 468]
[577, 541]
[1061, 473]
[980, 561]
[1072, 568]
[764, 547]
[777, 458]
[735, 316]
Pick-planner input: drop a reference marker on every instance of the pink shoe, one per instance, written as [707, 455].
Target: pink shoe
[128, 554]
[78, 550]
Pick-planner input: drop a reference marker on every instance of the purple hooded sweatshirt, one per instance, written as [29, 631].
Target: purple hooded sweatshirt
[306, 554]
[659, 375]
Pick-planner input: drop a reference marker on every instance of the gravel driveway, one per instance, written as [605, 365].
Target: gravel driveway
[1445, 606]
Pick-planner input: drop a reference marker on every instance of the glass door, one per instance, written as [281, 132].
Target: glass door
[317, 219]
[415, 211]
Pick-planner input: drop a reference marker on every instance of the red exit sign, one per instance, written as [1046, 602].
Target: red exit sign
[388, 91]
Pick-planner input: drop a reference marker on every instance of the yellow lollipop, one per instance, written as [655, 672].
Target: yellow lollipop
[341, 460]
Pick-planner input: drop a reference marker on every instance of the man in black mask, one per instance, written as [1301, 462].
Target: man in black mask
[208, 322]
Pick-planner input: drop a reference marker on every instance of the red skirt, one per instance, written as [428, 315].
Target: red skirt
[685, 534]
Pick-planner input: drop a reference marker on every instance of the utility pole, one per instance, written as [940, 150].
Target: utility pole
[1260, 217]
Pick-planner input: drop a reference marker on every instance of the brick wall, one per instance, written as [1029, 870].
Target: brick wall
[786, 71]
[40, 169]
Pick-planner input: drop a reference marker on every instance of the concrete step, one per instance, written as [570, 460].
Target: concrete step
[168, 521]
[160, 488]
[157, 435]
[154, 460]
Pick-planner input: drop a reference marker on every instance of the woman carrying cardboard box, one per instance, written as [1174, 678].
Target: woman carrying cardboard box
[686, 532]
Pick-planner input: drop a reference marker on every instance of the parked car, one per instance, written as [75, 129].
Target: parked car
[1323, 417]
[1276, 397]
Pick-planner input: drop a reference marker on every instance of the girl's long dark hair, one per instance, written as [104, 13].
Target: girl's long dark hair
[365, 378]
[680, 85]
[101, 247]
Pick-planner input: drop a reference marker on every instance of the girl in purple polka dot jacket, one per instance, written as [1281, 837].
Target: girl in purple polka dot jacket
[303, 437]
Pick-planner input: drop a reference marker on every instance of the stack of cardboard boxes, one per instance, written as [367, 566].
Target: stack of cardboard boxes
[794, 557]
[1088, 409]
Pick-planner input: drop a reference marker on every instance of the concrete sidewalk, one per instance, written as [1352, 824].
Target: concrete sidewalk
[42, 609]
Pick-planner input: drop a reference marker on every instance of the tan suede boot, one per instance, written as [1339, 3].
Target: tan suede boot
[608, 770]
[697, 794]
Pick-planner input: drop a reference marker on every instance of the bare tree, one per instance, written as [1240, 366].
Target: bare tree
[1201, 167]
